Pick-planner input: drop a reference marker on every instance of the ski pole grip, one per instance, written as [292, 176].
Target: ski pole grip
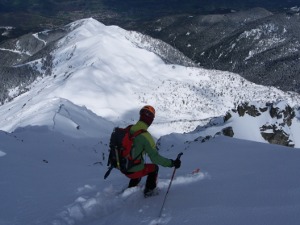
[179, 155]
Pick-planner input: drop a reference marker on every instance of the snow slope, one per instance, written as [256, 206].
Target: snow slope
[54, 142]
[49, 178]
[249, 127]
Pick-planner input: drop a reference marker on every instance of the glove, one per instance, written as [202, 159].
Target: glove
[176, 163]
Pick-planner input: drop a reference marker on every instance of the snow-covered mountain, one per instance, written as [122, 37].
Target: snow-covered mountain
[112, 73]
[260, 45]
[55, 132]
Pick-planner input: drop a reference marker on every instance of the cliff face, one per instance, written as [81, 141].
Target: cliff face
[276, 122]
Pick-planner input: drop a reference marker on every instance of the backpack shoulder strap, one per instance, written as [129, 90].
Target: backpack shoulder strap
[138, 132]
[132, 136]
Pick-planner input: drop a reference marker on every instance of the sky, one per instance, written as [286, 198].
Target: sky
[54, 142]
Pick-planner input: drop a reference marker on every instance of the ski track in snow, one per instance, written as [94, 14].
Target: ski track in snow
[87, 209]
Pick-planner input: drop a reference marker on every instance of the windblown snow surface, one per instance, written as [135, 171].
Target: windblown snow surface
[50, 178]
[54, 143]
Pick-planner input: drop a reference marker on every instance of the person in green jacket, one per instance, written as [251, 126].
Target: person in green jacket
[144, 144]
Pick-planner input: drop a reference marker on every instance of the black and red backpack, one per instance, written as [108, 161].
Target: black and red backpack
[120, 145]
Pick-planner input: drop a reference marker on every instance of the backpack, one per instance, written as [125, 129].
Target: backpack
[120, 145]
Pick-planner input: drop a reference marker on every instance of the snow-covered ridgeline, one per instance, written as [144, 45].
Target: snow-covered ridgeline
[101, 68]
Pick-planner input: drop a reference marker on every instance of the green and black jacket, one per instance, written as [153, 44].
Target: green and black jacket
[144, 144]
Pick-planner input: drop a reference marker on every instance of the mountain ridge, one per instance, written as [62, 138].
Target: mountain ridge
[261, 46]
[111, 72]
[269, 56]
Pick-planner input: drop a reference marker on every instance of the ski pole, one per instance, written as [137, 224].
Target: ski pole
[178, 157]
[108, 172]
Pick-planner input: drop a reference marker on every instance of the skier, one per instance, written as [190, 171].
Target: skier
[142, 144]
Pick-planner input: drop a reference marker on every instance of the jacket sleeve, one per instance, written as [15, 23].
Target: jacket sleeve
[150, 148]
